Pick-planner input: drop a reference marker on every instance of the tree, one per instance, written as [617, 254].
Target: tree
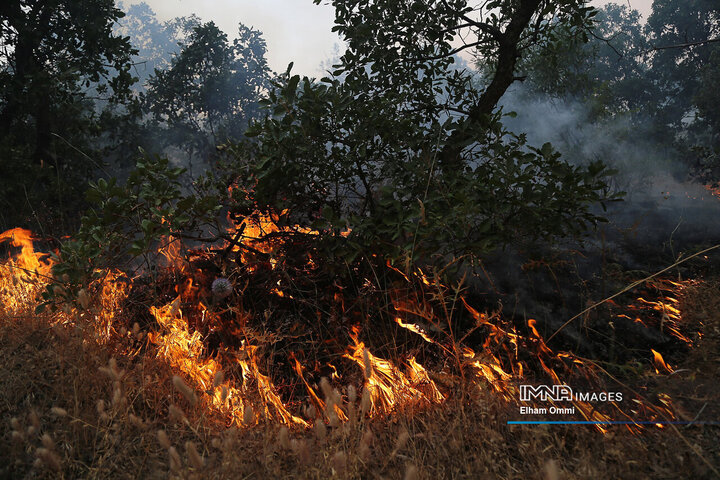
[210, 92]
[682, 33]
[707, 95]
[156, 42]
[605, 67]
[407, 151]
[58, 56]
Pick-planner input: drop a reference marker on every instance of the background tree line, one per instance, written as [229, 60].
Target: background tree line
[400, 141]
[84, 84]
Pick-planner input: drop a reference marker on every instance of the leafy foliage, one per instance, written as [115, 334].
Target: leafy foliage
[677, 70]
[209, 93]
[605, 67]
[657, 79]
[128, 224]
[156, 42]
[58, 55]
[407, 151]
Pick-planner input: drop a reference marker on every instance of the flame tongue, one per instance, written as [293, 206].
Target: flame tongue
[28, 259]
[389, 388]
[184, 351]
[660, 364]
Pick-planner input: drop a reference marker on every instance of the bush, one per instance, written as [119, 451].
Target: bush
[338, 157]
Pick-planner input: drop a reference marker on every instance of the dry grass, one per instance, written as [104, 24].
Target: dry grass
[73, 408]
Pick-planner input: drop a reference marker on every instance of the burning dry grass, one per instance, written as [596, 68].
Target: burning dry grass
[89, 392]
[69, 411]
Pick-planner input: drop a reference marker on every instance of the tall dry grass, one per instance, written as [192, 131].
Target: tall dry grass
[75, 403]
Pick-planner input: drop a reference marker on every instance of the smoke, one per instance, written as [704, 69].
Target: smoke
[664, 216]
[661, 202]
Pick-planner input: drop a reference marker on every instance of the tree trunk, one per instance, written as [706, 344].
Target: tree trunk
[479, 115]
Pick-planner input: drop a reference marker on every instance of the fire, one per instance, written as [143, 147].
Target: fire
[660, 363]
[667, 307]
[184, 351]
[253, 388]
[389, 388]
[23, 274]
[714, 190]
[30, 261]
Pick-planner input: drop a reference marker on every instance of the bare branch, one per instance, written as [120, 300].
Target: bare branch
[607, 42]
[680, 45]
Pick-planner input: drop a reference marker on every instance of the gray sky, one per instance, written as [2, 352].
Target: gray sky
[295, 30]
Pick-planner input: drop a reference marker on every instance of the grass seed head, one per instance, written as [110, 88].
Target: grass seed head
[224, 394]
[175, 461]
[339, 463]
[34, 419]
[117, 399]
[326, 388]
[15, 424]
[366, 362]
[218, 379]
[412, 472]
[109, 372]
[49, 458]
[163, 439]
[17, 437]
[283, 440]
[551, 471]
[366, 402]
[364, 447]
[83, 299]
[177, 414]
[320, 429]
[60, 412]
[112, 364]
[47, 442]
[185, 390]
[136, 421]
[194, 457]
[248, 415]
[333, 419]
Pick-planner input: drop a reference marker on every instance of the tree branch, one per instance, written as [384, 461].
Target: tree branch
[451, 52]
[680, 45]
[504, 76]
[494, 32]
[607, 42]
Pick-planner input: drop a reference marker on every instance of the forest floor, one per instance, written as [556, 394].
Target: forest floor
[62, 417]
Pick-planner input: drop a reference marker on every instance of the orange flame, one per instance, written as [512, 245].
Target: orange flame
[29, 259]
[659, 362]
[389, 387]
[184, 350]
